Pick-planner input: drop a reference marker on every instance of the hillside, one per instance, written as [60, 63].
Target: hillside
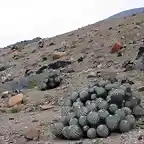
[128, 13]
[80, 57]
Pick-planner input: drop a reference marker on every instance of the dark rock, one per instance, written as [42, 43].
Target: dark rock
[40, 70]
[140, 52]
[51, 44]
[28, 72]
[59, 64]
[110, 28]
[119, 54]
[80, 59]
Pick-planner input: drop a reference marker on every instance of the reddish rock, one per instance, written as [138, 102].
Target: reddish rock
[57, 55]
[116, 47]
[17, 99]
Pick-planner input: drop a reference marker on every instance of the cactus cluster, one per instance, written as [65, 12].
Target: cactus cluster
[98, 110]
[53, 80]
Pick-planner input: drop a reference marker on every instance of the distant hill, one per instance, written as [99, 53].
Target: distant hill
[128, 13]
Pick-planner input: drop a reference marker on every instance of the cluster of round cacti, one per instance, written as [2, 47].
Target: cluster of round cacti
[53, 80]
[98, 110]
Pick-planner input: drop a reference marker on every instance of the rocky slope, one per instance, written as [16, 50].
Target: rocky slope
[106, 48]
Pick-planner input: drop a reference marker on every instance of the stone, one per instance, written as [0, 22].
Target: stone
[46, 107]
[5, 94]
[57, 55]
[17, 99]
[116, 47]
[32, 134]
[141, 89]
[92, 74]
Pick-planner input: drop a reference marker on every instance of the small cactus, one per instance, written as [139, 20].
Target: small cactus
[84, 95]
[101, 92]
[73, 121]
[113, 108]
[82, 111]
[74, 96]
[120, 113]
[93, 97]
[127, 110]
[85, 128]
[83, 121]
[91, 133]
[102, 131]
[103, 114]
[131, 119]
[124, 126]
[66, 133]
[103, 105]
[91, 107]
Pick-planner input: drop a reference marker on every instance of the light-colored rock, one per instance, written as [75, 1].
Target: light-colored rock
[57, 55]
[91, 74]
[46, 107]
[32, 134]
[17, 99]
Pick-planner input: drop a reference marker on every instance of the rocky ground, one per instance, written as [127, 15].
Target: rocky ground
[79, 56]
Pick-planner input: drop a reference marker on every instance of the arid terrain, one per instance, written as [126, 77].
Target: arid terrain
[79, 56]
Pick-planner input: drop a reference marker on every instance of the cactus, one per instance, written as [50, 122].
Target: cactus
[131, 119]
[93, 97]
[77, 105]
[87, 102]
[112, 122]
[74, 96]
[102, 83]
[75, 132]
[117, 97]
[82, 111]
[70, 115]
[66, 132]
[84, 95]
[103, 114]
[68, 102]
[85, 128]
[65, 110]
[83, 121]
[124, 126]
[91, 107]
[73, 121]
[93, 118]
[64, 120]
[120, 113]
[138, 111]
[101, 92]
[102, 105]
[127, 110]
[91, 133]
[91, 90]
[98, 100]
[102, 131]
[113, 108]
[110, 86]
[57, 128]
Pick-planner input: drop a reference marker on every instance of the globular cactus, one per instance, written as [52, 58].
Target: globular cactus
[73, 121]
[127, 110]
[102, 83]
[113, 108]
[70, 115]
[65, 110]
[124, 126]
[120, 113]
[76, 133]
[112, 122]
[93, 118]
[64, 120]
[91, 107]
[43, 86]
[110, 86]
[93, 97]
[132, 102]
[82, 111]
[83, 121]
[103, 105]
[128, 93]
[74, 96]
[68, 102]
[77, 105]
[117, 97]
[66, 132]
[103, 114]
[102, 131]
[98, 100]
[84, 95]
[91, 90]
[87, 102]
[132, 120]
[138, 111]
[78, 100]
[101, 92]
[91, 133]
[57, 128]
[86, 128]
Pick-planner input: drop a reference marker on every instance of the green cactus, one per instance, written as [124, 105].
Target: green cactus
[66, 132]
[93, 97]
[84, 95]
[82, 111]
[124, 126]
[127, 111]
[120, 113]
[113, 108]
[91, 107]
[83, 121]
[132, 120]
[102, 131]
[74, 96]
[101, 92]
[103, 105]
[86, 128]
[76, 133]
[93, 118]
[138, 111]
[103, 114]
[91, 133]
[68, 102]
[73, 121]
[65, 110]
[57, 128]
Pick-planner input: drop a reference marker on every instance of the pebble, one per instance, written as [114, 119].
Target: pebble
[57, 55]
[46, 107]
